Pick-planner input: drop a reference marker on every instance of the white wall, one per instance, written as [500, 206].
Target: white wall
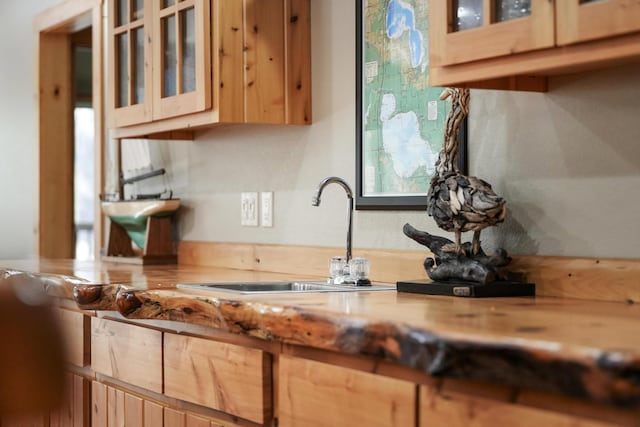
[17, 127]
[567, 161]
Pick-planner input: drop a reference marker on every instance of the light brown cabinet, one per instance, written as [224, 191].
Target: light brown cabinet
[476, 42]
[318, 394]
[127, 352]
[225, 377]
[113, 407]
[182, 64]
[159, 59]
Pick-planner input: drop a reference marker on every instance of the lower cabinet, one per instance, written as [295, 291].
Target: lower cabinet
[73, 412]
[112, 407]
[225, 377]
[460, 404]
[318, 394]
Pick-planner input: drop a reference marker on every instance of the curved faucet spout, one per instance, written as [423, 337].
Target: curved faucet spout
[316, 202]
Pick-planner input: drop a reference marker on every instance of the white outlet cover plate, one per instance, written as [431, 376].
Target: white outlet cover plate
[249, 209]
[266, 209]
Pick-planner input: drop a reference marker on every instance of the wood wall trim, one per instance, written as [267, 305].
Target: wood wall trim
[600, 279]
[53, 30]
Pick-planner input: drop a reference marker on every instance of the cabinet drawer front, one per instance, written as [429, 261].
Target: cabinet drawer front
[75, 328]
[225, 377]
[127, 352]
[317, 394]
[456, 409]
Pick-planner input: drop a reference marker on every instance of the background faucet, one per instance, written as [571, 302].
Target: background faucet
[316, 202]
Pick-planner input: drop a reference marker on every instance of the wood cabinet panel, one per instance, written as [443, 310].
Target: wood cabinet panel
[580, 22]
[133, 411]
[115, 407]
[74, 408]
[98, 404]
[228, 82]
[75, 328]
[226, 377]
[298, 61]
[127, 352]
[317, 394]
[557, 38]
[453, 409]
[153, 414]
[173, 418]
[264, 61]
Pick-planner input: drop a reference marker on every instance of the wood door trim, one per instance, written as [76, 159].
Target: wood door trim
[54, 200]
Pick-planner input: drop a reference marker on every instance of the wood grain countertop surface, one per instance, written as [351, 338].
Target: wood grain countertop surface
[584, 349]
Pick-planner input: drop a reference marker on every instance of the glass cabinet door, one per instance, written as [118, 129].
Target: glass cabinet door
[129, 73]
[181, 57]
[583, 20]
[468, 30]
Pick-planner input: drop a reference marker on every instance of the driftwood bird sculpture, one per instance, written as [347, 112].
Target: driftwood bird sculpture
[457, 202]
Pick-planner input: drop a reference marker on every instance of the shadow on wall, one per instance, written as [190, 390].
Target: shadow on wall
[598, 124]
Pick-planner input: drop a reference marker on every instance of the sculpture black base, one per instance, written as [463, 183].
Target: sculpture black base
[468, 289]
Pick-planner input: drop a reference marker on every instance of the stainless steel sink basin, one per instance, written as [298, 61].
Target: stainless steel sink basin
[281, 287]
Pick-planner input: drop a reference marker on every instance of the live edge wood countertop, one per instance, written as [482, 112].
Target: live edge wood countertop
[583, 349]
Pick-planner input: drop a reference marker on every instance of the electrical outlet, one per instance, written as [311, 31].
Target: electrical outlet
[266, 209]
[249, 209]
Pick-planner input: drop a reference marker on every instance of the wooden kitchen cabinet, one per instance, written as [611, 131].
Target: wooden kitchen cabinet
[316, 394]
[159, 59]
[488, 406]
[76, 330]
[588, 19]
[114, 407]
[226, 377]
[183, 64]
[127, 352]
[501, 44]
[475, 30]
[74, 410]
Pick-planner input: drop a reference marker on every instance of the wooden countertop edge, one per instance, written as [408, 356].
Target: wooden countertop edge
[54, 285]
[603, 376]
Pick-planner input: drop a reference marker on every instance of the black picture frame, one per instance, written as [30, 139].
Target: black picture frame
[365, 202]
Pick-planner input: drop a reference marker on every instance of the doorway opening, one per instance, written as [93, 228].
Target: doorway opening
[83, 148]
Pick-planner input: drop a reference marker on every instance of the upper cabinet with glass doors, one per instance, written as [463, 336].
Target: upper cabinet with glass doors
[159, 55]
[478, 42]
[182, 64]
[181, 57]
[129, 77]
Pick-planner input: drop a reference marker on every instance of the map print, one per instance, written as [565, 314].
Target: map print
[402, 117]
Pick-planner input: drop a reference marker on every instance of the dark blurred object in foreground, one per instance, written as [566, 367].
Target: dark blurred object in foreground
[32, 353]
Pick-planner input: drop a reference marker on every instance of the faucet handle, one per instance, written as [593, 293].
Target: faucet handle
[359, 269]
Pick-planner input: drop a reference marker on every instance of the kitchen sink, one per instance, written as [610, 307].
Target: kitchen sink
[282, 287]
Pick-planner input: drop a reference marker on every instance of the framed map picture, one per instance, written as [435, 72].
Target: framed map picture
[400, 118]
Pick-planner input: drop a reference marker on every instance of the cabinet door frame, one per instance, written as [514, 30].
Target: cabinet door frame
[200, 98]
[589, 21]
[132, 113]
[491, 40]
